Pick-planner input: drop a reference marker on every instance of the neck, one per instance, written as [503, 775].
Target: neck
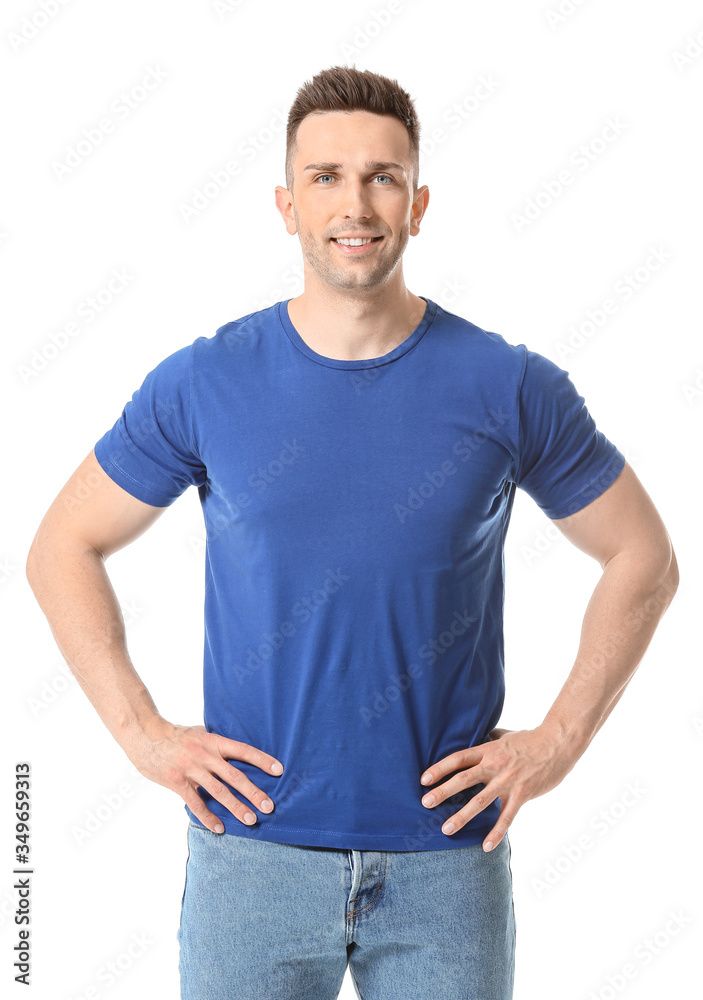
[353, 325]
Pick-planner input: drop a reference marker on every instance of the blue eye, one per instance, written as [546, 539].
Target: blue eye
[387, 177]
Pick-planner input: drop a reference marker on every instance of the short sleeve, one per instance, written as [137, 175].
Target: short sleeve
[149, 451]
[564, 460]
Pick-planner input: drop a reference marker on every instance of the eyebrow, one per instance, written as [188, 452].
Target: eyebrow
[370, 165]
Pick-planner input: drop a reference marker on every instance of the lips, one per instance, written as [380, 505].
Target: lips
[362, 250]
[373, 239]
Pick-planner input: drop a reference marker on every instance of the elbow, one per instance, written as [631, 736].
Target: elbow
[671, 577]
[31, 563]
[652, 568]
[666, 580]
[32, 567]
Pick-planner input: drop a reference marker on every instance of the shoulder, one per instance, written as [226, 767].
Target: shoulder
[493, 352]
[526, 367]
[235, 337]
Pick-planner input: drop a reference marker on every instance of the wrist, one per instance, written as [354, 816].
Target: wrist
[134, 726]
[571, 734]
[496, 734]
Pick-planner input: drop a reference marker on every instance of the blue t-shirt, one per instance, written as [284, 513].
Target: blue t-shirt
[355, 516]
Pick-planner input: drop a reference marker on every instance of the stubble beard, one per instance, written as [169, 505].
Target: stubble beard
[350, 275]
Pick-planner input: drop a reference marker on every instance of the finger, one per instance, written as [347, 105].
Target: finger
[506, 817]
[234, 776]
[218, 790]
[201, 812]
[466, 779]
[478, 803]
[228, 748]
[455, 761]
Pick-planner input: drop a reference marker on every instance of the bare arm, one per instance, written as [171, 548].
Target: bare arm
[90, 519]
[66, 571]
[624, 532]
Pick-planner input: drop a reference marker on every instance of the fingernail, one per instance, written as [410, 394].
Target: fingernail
[447, 828]
[428, 800]
[426, 778]
[276, 768]
[250, 817]
[219, 828]
[267, 805]
[488, 846]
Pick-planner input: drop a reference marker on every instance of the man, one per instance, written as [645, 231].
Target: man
[356, 450]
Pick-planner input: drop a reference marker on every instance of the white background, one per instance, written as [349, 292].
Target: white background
[232, 74]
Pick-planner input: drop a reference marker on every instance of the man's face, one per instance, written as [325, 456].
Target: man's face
[353, 177]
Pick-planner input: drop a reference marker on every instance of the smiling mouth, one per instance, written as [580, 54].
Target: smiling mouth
[358, 245]
[356, 242]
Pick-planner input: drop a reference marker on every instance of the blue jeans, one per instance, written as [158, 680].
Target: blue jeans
[262, 920]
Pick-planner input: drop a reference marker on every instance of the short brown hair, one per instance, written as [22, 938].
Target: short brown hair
[343, 88]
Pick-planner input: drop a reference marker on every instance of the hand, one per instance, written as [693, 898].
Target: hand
[183, 757]
[515, 765]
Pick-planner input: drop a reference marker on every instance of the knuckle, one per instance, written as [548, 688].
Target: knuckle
[202, 814]
[173, 775]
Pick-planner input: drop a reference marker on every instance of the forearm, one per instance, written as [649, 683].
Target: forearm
[620, 620]
[74, 591]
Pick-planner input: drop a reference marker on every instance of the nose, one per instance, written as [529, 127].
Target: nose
[356, 202]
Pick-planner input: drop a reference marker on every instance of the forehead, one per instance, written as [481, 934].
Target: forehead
[351, 136]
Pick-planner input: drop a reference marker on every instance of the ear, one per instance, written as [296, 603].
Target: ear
[284, 204]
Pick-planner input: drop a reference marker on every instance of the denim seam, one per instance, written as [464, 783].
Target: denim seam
[374, 899]
[356, 985]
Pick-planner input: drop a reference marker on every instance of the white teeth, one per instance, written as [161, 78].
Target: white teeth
[356, 242]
